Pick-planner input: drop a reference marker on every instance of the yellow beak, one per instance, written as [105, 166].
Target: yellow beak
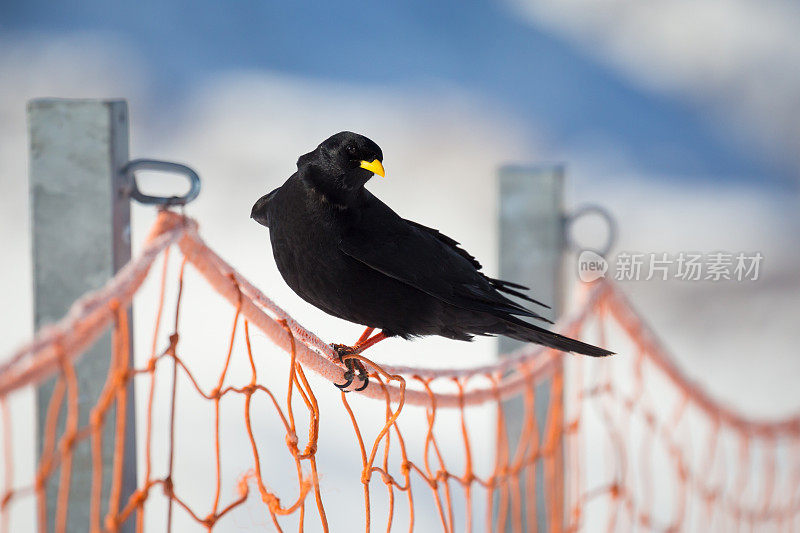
[375, 167]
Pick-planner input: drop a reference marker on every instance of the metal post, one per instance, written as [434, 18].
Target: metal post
[80, 238]
[532, 251]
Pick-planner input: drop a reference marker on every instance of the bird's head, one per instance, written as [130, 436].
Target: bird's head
[342, 164]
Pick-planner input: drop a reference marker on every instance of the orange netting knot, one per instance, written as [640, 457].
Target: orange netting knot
[112, 522]
[291, 442]
[683, 473]
[244, 488]
[709, 496]
[272, 501]
[113, 304]
[366, 475]
[69, 440]
[573, 426]
[121, 377]
[173, 340]
[614, 490]
[215, 394]
[576, 514]
[405, 468]
[61, 355]
[167, 488]
[210, 520]
[310, 450]
[41, 478]
[628, 403]
[250, 389]
[151, 364]
[232, 276]
[96, 417]
[138, 498]
[6, 498]
[167, 221]
[386, 477]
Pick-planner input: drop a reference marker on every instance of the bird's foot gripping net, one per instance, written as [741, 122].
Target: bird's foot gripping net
[246, 438]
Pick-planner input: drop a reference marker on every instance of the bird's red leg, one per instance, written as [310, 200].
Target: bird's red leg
[364, 336]
[363, 345]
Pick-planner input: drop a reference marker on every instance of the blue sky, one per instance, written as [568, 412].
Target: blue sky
[484, 47]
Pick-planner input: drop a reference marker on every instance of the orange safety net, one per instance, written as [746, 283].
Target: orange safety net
[622, 443]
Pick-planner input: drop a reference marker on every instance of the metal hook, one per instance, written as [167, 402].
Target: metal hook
[132, 167]
[589, 210]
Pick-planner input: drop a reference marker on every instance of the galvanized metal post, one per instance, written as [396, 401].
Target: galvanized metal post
[532, 252]
[80, 238]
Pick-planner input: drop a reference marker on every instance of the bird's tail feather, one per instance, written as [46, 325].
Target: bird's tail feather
[520, 330]
[509, 287]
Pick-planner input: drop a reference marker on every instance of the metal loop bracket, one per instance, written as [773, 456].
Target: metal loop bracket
[592, 209]
[136, 165]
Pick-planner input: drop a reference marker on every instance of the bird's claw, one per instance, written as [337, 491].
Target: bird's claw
[353, 366]
[348, 376]
[342, 350]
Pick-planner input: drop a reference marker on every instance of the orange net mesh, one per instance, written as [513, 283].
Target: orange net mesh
[622, 443]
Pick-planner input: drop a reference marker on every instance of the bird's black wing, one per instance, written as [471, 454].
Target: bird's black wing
[452, 243]
[416, 256]
[499, 284]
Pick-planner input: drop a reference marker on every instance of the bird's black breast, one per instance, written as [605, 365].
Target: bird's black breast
[305, 233]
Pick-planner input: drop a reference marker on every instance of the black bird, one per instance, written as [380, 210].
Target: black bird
[343, 250]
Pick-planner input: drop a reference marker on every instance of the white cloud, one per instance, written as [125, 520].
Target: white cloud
[738, 58]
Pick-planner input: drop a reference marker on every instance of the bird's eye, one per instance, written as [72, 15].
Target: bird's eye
[351, 149]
